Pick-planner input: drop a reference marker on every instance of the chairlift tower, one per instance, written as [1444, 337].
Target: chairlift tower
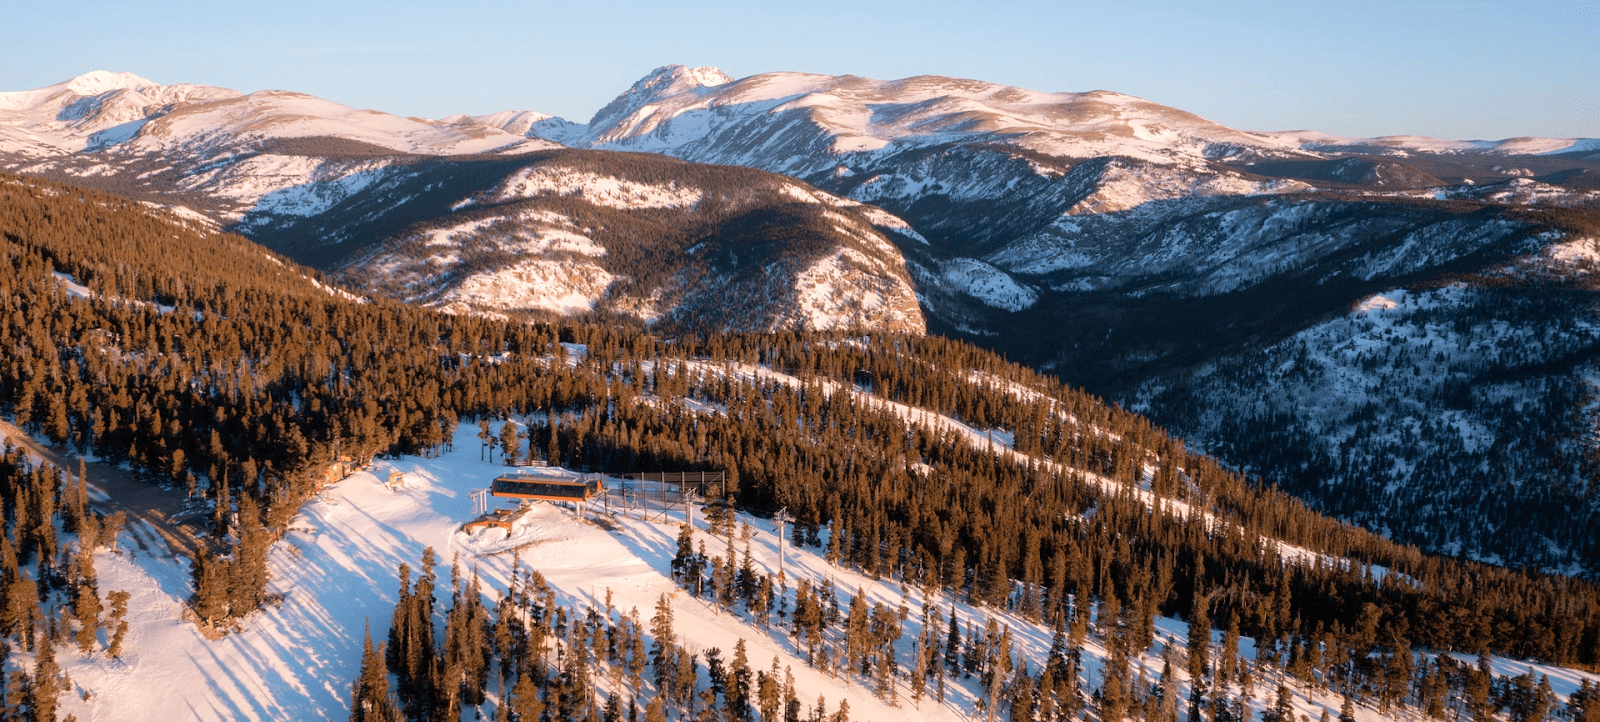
[781, 518]
[690, 498]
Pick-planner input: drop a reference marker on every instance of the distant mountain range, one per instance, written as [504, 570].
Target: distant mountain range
[1401, 330]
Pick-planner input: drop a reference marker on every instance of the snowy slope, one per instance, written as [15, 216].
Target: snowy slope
[1402, 145]
[89, 112]
[1414, 402]
[100, 110]
[1215, 246]
[703, 114]
[806, 124]
[224, 154]
[647, 237]
[336, 571]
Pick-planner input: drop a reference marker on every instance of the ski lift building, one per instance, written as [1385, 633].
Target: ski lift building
[540, 488]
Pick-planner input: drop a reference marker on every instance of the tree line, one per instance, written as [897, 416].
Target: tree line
[203, 359]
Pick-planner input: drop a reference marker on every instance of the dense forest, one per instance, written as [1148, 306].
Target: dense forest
[201, 359]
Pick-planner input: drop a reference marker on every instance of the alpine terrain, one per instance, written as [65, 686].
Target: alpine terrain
[1399, 330]
[797, 397]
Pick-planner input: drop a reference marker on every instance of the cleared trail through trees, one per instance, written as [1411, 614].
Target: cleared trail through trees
[142, 501]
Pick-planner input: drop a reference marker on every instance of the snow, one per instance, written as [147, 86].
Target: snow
[123, 111]
[1583, 251]
[988, 284]
[336, 571]
[554, 285]
[1377, 302]
[72, 287]
[601, 190]
[835, 293]
[884, 219]
[1402, 145]
[279, 114]
[1525, 191]
[849, 114]
[288, 185]
[799, 194]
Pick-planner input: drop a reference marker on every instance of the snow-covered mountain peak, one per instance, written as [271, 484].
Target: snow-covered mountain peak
[531, 124]
[670, 81]
[99, 81]
[102, 110]
[674, 75]
[679, 111]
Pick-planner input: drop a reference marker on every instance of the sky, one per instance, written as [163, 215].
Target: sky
[1465, 70]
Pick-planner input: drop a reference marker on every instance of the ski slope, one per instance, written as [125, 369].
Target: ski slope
[335, 570]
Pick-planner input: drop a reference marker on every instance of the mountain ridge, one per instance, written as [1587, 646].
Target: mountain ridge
[1129, 247]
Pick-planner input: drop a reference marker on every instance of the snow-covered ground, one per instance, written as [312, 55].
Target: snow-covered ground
[601, 190]
[988, 284]
[336, 571]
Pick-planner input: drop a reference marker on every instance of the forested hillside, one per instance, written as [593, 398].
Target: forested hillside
[1173, 265]
[202, 360]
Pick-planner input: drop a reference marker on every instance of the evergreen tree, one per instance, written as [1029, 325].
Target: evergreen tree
[370, 699]
[210, 577]
[1282, 708]
[46, 687]
[738, 696]
[510, 445]
[249, 573]
[526, 706]
[118, 623]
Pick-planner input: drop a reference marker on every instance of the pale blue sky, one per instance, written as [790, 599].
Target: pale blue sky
[1446, 69]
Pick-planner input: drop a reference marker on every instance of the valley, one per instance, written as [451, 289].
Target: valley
[1077, 369]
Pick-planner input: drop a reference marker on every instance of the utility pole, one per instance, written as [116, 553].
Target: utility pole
[781, 518]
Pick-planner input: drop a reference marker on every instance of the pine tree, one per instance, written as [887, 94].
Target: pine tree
[1199, 645]
[210, 576]
[510, 445]
[952, 643]
[683, 561]
[1282, 708]
[249, 572]
[552, 452]
[525, 704]
[47, 685]
[370, 699]
[118, 623]
[86, 605]
[1228, 654]
[662, 654]
[769, 694]
[738, 696]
